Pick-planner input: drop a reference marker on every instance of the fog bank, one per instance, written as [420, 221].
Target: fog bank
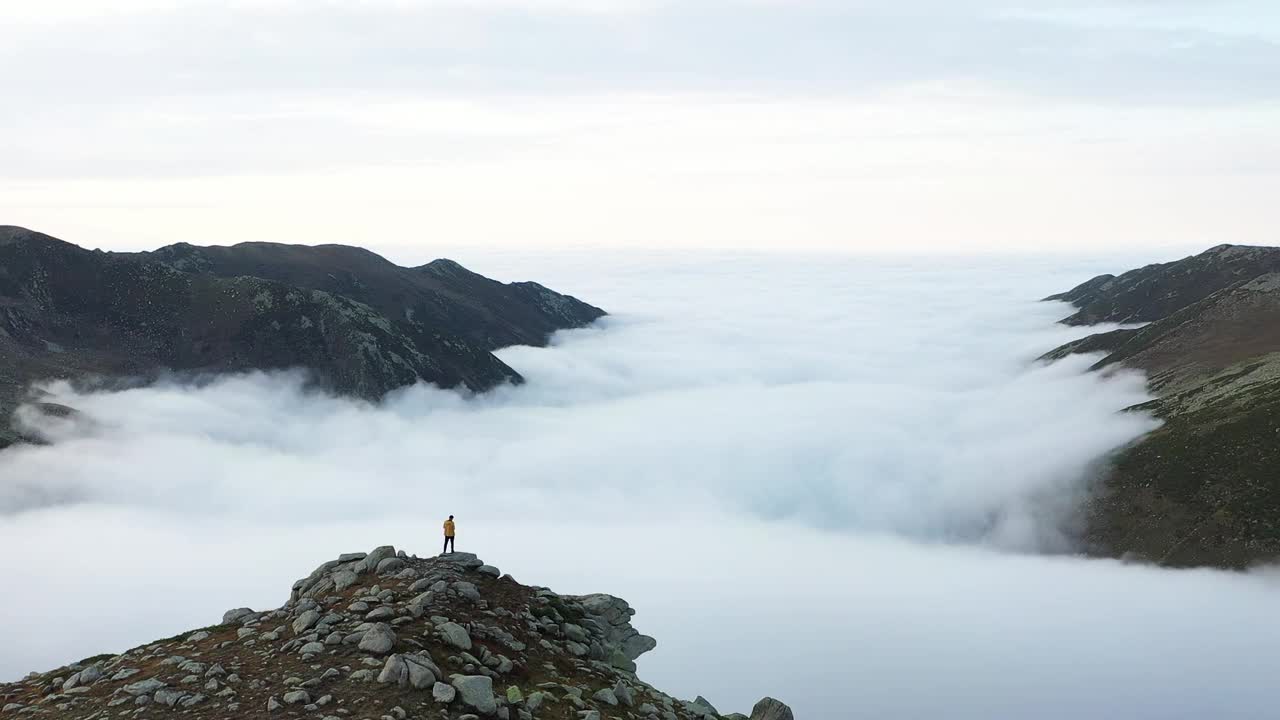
[827, 479]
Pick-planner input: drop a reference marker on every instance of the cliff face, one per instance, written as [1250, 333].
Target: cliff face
[360, 324]
[1203, 489]
[384, 634]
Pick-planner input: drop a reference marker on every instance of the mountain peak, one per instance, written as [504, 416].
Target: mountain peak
[387, 634]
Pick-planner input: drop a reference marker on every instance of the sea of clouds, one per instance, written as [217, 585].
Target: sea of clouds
[841, 481]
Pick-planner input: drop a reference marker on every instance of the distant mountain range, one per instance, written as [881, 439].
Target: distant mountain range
[1204, 489]
[360, 324]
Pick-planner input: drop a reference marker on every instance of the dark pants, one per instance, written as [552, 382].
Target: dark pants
[448, 542]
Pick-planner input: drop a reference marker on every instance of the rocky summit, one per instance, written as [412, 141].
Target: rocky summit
[357, 323]
[1202, 489]
[383, 636]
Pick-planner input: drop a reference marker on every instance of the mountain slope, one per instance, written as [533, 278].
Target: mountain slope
[1156, 291]
[383, 635]
[1203, 488]
[67, 312]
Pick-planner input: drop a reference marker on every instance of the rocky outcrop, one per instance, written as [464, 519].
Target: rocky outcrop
[1201, 489]
[425, 638]
[357, 323]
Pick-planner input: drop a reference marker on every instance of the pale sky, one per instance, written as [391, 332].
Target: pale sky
[877, 125]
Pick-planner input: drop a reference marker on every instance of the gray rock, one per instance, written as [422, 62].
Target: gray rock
[305, 621]
[489, 570]
[90, 675]
[168, 697]
[466, 560]
[701, 708]
[378, 640]
[344, 579]
[312, 648]
[771, 709]
[466, 590]
[456, 635]
[197, 636]
[443, 693]
[605, 695]
[125, 673]
[476, 691]
[380, 613]
[192, 700]
[143, 687]
[231, 616]
[407, 671]
[422, 674]
[351, 557]
[370, 563]
[297, 697]
[390, 565]
[574, 632]
[623, 693]
[273, 704]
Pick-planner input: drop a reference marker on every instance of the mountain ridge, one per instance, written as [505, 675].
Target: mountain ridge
[1200, 489]
[359, 324]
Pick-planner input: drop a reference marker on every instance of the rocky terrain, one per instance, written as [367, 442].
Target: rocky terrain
[358, 323]
[1203, 489]
[383, 636]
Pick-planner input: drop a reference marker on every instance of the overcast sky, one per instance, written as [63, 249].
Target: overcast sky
[863, 124]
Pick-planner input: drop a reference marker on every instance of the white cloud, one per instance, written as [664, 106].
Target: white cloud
[805, 472]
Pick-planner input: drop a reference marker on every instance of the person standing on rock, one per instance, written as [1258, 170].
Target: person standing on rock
[448, 535]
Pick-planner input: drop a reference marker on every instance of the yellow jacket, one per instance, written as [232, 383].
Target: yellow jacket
[448, 528]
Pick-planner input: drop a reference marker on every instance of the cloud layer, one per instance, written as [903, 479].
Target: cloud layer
[807, 473]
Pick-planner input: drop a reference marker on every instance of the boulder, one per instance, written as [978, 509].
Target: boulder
[623, 693]
[370, 563]
[390, 565]
[143, 687]
[305, 621]
[456, 635]
[168, 697]
[407, 671]
[378, 639]
[476, 691]
[344, 579]
[231, 616]
[443, 693]
[771, 709]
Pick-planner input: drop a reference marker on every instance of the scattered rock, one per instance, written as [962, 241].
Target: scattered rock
[443, 693]
[143, 687]
[378, 640]
[476, 691]
[456, 635]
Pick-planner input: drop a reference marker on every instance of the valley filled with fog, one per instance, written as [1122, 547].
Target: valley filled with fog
[845, 479]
